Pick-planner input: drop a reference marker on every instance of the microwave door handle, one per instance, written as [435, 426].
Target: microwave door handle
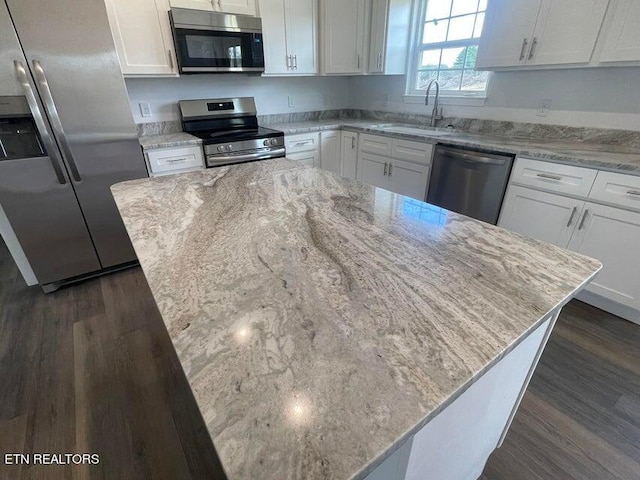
[49, 144]
[51, 109]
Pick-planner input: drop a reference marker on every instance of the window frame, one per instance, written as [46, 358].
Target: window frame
[456, 97]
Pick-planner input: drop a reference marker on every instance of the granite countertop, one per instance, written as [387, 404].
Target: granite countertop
[600, 156]
[168, 140]
[321, 322]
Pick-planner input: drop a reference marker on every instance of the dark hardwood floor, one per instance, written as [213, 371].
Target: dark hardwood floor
[91, 369]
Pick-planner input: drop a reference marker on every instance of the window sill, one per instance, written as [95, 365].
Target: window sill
[471, 101]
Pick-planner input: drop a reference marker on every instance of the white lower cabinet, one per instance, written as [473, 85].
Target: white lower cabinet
[330, 151]
[611, 235]
[311, 159]
[164, 161]
[608, 233]
[349, 154]
[544, 216]
[395, 164]
[373, 169]
[409, 179]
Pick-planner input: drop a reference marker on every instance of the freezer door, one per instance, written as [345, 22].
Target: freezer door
[35, 193]
[72, 57]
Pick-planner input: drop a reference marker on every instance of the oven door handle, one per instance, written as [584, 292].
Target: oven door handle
[245, 157]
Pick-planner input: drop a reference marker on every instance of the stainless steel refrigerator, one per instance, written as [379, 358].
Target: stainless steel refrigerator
[59, 71]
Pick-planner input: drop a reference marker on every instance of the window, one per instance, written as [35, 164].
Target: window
[448, 37]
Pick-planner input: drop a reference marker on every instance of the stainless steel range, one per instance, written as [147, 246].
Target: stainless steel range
[230, 132]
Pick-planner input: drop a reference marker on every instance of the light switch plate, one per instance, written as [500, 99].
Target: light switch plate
[145, 109]
[544, 107]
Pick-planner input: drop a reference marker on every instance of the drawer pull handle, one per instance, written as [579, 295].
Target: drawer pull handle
[176, 160]
[573, 214]
[390, 168]
[386, 168]
[549, 176]
[584, 219]
[633, 192]
[302, 144]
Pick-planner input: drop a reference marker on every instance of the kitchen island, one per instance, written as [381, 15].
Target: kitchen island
[334, 330]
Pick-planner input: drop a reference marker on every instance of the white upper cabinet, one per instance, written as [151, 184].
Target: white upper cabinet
[507, 33]
[290, 36]
[540, 32]
[622, 40]
[343, 36]
[242, 7]
[142, 35]
[566, 31]
[389, 39]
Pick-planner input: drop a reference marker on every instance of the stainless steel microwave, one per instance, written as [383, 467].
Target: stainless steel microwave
[212, 42]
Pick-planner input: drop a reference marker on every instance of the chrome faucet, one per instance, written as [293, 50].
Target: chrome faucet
[435, 114]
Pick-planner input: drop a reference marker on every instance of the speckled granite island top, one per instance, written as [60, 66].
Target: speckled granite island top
[321, 322]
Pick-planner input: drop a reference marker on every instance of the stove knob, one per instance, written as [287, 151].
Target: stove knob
[274, 141]
[266, 143]
[221, 148]
[229, 148]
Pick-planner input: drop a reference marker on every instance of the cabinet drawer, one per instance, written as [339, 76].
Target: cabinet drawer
[172, 159]
[554, 177]
[412, 151]
[304, 142]
[618, 189]
[310, 159]
[376, 144]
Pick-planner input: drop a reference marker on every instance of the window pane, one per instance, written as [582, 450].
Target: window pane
[472, 53]
[450, 79]
[460, 7]
[474, 81]
[435, 31]
[461, 28]
[452, 57]
[424, 77]
[430, 59]
[438, 9]
[479, 24]
[483, 5]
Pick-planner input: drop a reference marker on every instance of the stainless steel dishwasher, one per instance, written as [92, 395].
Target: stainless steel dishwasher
[469, 182]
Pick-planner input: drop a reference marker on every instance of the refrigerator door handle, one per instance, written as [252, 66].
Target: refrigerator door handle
[51, 109]
[49, 144]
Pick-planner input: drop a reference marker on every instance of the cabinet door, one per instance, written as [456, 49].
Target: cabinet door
[612, 236]
[372, 169]
[210, 5]
[311, 158]
[302, 38]
[142, 35]
[330, 151]
[507, 33]
[276, 60]
[544, 216]
[343, 36]
[409, 179]
[566, 32]
[378, 40]
[349, 155]
[243, 7]
[623, 37]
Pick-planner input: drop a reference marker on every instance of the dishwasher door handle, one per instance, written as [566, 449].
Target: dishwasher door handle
[484, 158]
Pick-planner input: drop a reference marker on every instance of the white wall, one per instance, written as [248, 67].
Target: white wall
[273, 95]
[602, 97]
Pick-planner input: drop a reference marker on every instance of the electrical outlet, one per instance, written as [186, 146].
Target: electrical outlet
[145, 109]
[543, 107]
